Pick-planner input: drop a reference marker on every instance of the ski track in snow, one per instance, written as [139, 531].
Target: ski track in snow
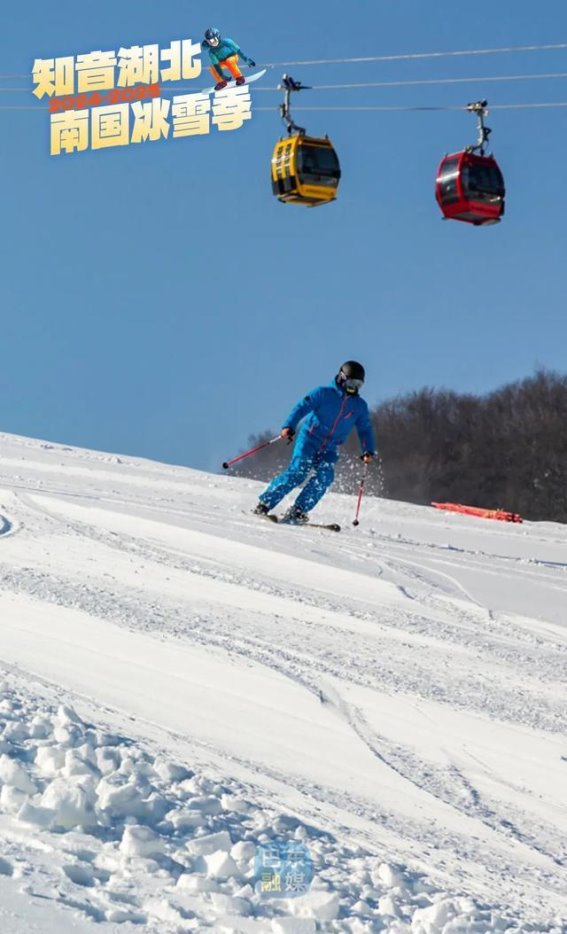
[393, 670]
[369, 625]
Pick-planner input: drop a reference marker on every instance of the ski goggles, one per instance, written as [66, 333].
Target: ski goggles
[353, 385]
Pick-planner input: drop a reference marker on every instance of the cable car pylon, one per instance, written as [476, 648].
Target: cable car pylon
[305, 169]
[469, 185]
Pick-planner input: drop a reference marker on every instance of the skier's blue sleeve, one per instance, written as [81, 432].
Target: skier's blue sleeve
[236, 50]
[299, 411]
[365, 431]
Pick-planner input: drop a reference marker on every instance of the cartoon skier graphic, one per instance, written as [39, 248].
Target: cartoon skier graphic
[223, 51]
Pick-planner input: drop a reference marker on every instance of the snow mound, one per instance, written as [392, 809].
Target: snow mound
[124, 835]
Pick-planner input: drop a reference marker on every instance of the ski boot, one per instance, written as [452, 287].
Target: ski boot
[263, 511]
[295, 516]
[241, 80]
[221, 85]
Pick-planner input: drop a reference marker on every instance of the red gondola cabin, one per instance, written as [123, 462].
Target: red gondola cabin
[470, 188]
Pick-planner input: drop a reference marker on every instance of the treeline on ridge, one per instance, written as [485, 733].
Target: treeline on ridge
[506, 449]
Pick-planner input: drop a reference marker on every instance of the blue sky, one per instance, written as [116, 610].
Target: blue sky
[157, 300]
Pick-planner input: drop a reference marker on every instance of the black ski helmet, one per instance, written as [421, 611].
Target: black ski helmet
[350, 376]
[212, 33]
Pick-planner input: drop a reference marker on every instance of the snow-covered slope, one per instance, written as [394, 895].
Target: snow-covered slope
[184, 685]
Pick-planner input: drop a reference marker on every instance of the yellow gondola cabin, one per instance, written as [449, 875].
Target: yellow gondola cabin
[305, 170]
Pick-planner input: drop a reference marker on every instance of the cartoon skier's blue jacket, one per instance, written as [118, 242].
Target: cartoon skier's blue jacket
[224, 49]
[331, 416]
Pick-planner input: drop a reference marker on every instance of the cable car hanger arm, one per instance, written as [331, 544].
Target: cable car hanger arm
[480, 108]
[288, 85]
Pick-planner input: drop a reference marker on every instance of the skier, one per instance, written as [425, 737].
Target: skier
[224, 52]
[332, 412]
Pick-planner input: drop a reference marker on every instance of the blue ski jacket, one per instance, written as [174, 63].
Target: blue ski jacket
[224, 49]
[331, 416]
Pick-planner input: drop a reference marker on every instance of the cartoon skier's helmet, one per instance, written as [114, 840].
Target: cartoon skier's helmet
[351, 377]
[212, 35]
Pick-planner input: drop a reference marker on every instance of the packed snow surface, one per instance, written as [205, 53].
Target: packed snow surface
[185, 688]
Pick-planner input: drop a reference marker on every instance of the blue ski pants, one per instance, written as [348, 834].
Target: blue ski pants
[306, 459]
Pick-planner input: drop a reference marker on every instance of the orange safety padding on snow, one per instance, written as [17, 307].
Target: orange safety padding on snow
[499, 514]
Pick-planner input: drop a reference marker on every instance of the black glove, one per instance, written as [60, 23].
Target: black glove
[251, 63]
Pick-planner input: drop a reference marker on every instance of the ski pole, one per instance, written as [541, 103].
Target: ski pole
[360, 492]
[240, 457]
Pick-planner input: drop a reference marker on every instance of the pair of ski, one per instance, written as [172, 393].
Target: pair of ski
[331, 526]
